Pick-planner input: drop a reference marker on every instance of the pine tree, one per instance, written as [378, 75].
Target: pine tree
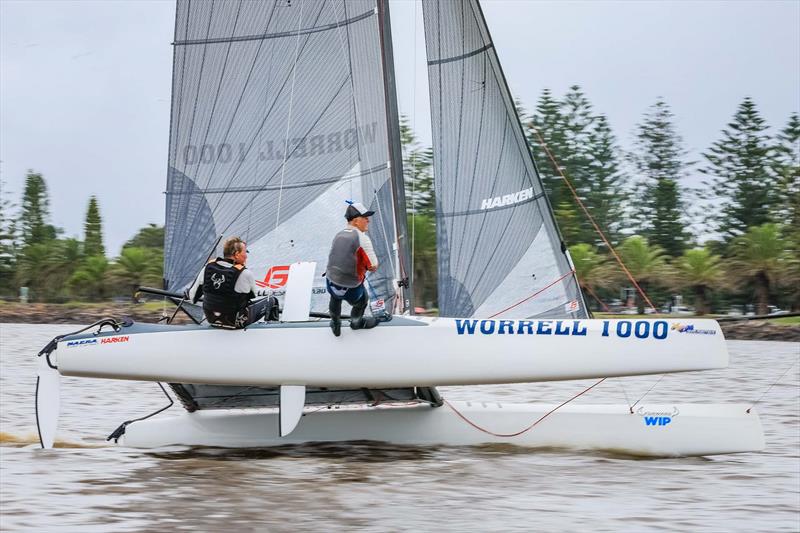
[578, 122]
[93, 230]
[8, 243]
[604, 196]
[546, 125]
[741, 174]
[150, 236]
[421, 205]
[417, 171]
[35, 211]
[787, 169]
[659, 160]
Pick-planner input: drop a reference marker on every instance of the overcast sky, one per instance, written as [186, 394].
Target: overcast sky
[85, 86]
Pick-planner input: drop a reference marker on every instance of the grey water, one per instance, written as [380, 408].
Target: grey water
[87, 484]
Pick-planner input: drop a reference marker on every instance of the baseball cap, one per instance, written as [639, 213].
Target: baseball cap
[356, 210]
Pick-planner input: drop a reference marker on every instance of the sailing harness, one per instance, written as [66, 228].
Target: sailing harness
[221, 303]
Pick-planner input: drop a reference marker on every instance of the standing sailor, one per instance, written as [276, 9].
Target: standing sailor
[351, 257]
[227, 287]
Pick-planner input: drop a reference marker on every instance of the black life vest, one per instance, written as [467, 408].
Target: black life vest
[221, 302]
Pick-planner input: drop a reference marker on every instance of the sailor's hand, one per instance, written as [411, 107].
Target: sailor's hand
[372, 268]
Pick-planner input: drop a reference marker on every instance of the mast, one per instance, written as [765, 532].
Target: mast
[395, 154]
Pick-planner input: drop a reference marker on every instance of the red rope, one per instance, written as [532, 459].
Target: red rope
[601, 302]
[532, 295]
[484, 430]
[591, 219]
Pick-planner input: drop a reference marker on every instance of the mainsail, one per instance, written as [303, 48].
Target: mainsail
[283, 110]
[279, 115]
[500, 252]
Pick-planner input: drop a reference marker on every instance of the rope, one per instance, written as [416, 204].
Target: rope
[601, 302]
[484, 430]
[625, 393]
[646, 393]
[533, 295]
[591, 218]
[775, 383]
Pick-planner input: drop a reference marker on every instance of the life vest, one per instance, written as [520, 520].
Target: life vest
[221, 302]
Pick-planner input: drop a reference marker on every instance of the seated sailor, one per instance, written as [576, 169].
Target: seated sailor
[227, 287]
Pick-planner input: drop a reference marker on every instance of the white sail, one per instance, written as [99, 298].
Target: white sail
[498, 245]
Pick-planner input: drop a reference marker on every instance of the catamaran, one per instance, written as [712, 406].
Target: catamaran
[283, 110]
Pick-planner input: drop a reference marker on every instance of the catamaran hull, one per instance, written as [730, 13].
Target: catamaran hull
[403, 352]
[653, 430]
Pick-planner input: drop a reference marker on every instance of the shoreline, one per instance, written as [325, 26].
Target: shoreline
[83, 313]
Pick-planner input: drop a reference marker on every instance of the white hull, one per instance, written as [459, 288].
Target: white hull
[403, 352]
[673, 430]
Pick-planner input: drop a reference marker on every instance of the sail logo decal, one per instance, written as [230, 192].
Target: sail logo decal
[82, 342]
[507, 199]
[276, 277]
[623, 329]
[521, 327]
[657, 418]
[689, 328]
[276, 150]
[113, 340]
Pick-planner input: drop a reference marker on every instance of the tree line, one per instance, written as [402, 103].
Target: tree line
[748, 203]
[34, 253]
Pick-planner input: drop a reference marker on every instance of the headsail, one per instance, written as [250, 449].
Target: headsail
[278, 117]
[500, 252]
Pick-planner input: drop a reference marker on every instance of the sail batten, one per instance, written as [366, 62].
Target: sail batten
[278, 35]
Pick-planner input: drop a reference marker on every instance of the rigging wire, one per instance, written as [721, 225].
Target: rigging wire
[653, 386]
[590, 217]
[525, 430]
[289, 117]
[773, 384]
[412, 124]
[594, 295]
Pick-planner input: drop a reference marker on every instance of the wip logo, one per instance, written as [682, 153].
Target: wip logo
[657, 418]
[82, 342]
[276, 277]
[112, 340]
[689, 328]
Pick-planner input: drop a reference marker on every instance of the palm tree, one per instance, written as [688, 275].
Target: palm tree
[646, 264]
[90, 279]
[46, 267]
[136, 267]
[759, 257]
[700, 270]
[591, 269]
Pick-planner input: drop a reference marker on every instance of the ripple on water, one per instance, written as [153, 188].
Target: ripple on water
[86, 486]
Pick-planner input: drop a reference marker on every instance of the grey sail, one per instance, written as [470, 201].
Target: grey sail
[500, 252]
[278, 117]
[281, 111]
